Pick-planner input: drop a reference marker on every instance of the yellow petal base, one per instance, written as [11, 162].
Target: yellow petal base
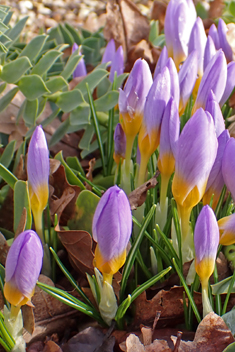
[14, 296]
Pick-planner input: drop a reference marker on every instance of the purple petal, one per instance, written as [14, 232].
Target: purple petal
[210, 52]
[117, 64]
[212, 106]
[213, 33]
[161, 62]
[80, 70]
[228, 166]
[206, 235]
[197, 41]
[224, 45]
[119, 141]
[175, 90]
[109, 52]
[230, 83]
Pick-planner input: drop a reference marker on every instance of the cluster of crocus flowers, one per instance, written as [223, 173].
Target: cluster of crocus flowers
[114, 58]
[206, 241]
[80, 69]
[111, 229]
[38, 176]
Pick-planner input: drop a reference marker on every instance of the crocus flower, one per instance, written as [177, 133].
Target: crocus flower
[149, 136]
[194, 157]
[214, 78]
[213, 33]
[109, 52]
[175, 89]
[230, 83]
[210, 51]
[228, 166]
[117, 64]
[80, 70]
[206, 241]
[179, 20]
[197, 41]
[227, 230]
[119, 143]
[161, 63]
[187, 79]
[216, 181]
[212, 106]
[224, 45]
[23, 266]
[38, 175]
[111, 229]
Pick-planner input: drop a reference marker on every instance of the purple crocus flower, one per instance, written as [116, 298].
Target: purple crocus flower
[187, 79]
[210, 51]
[213, 33]
[195, 154]
[230, 83]
[175, 89]
[161, 63]
[214, 78]
[179, 20]
[23, 266]
[109, 52]
[117, 64]
[206, 241]
[38, 171]
[227, 230]
[111, 229]
[197, 41]
[216, 181]
[119, 143]
[212, 106]
[224, 45]
[80, 70]
[228, 166]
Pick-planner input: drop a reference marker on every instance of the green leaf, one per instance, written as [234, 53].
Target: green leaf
[71, 177]
[56, 83]
[2, 87]
[55, 33]
[30, 112]
[71, 64]
[80, 115]
[8, 176]
[222, 286]
[8, 154]
[34, 47]
[76, 35]
[13, 71]
[68, 38]
[85, 208]
[231, 347]
[154, 31]
[21, 192]
[87, 137]
[69, 100]
[92, 79]
[32, 87]
[159, 41]
[15, 32]
[75, 164]
[59, 133]
[232, 8]
[107, 101]
[7, 98]
[46, 62]
[3, 27]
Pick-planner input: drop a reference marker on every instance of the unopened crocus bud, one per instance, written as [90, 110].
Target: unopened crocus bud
[174, 79]
[214, 78]
[194, 157]
[197, 41]
[149, 136]
[117, 64]
[230, 83]
[206, 241]
[179, 20]
[213, 33]
[228, 166]
[111, 229]
[212, 106]
[187, 79]
[227, 230]
[109, 52]
[38, 175]
[210, 51]
[224, 45]
[161, 63]
[80, 70]
[23, 266]
[216, 181]
[119, 143]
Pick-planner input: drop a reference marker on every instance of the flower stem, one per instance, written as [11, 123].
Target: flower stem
[205, 299]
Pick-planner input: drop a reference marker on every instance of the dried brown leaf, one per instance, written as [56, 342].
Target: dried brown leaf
[216, 8]
[138, 196]
[28, 318]
[89, 173]
[51, 346]
[79, 247]
[212, 335]
[22, 222]
[4, 248]
[158, 13]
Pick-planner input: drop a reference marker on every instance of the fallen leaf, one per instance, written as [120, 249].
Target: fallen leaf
[79, 247]
[22, 222]
[138, 196]
[28, 318]
[51, 346]
[230, 35]
[216, 8]
[212, 335]
[158, 13]
[4, 248]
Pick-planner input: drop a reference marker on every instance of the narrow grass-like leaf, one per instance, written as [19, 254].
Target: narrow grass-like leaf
[97, 128]
[168, 245]
[21, 192]
[190, 297]
[8, 154]
[230, 289]
[133, 252]
[178, 230]
[8, 176]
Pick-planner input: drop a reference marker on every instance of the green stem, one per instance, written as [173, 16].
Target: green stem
[205, 299]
